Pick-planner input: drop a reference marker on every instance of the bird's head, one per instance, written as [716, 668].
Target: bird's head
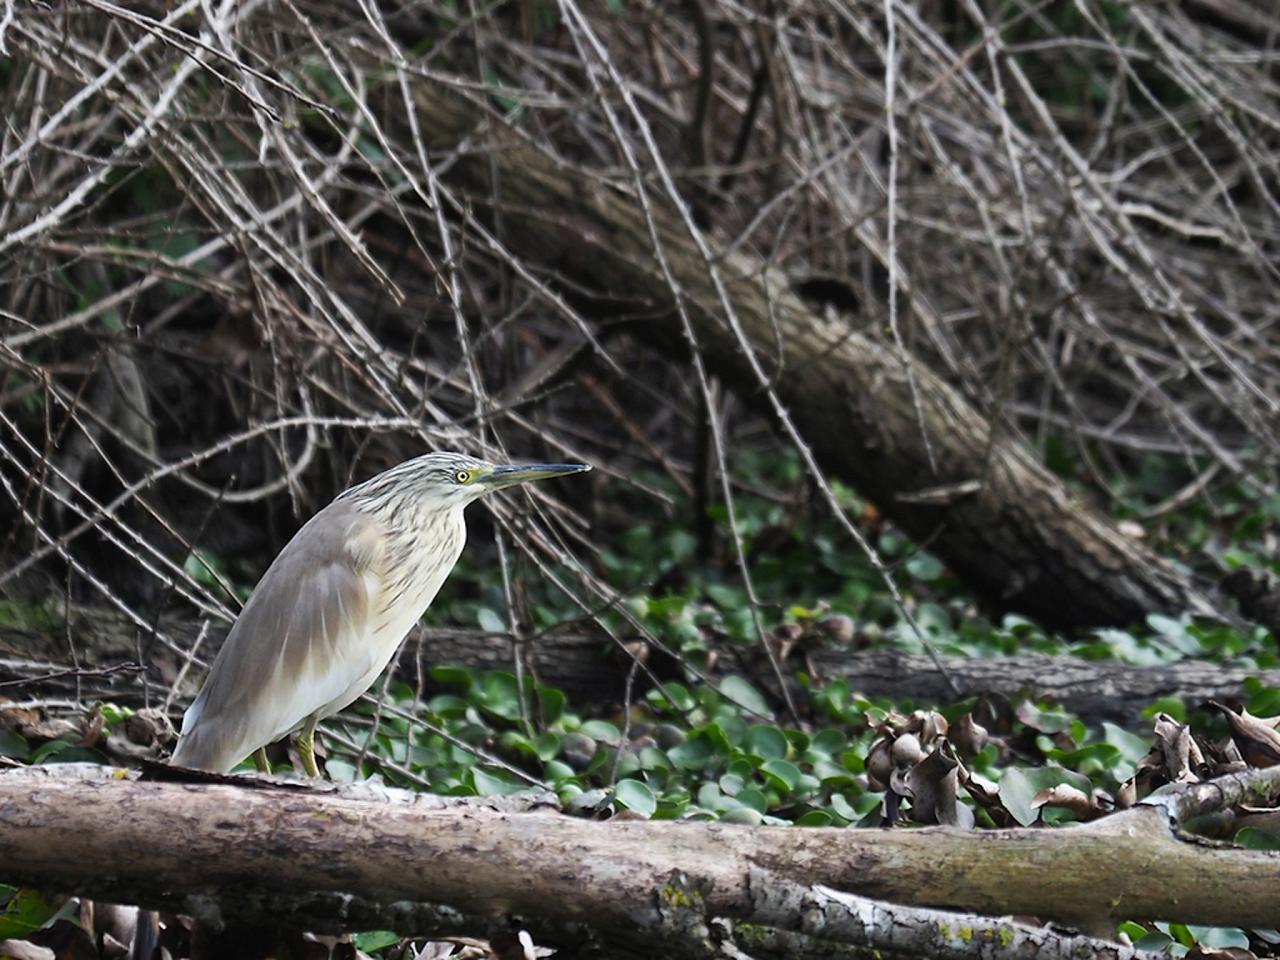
[454, 479]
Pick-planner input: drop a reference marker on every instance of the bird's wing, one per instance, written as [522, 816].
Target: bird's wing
[301, 640]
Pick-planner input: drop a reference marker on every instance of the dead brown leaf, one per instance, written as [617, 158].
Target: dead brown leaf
[1255, 737]
[969, 736]
[25, 950]
[1178, 749]
[932, 783]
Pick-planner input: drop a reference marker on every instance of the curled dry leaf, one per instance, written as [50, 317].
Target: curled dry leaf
[907, 751]
[1127, 795]
[25, 950]
[93, 725]
[1255, 737]
[985, 794]
[839, 628]
[150, 726]
[14, 718]
[1178, 749]
[1063, 795]
[113, 949]
[928, 725]
[968, 736]
[113, 921]
[932, 783]
[53, 728]
[879, 764]
[144, 735]
[933, 726]
[1085, 806]
[516, 945]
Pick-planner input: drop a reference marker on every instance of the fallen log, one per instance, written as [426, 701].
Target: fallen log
[162, 844]
[1014, 532]
[589, 671]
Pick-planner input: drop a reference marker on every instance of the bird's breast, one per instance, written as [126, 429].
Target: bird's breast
[414, 570]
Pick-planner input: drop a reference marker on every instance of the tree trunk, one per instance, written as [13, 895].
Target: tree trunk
[1010, 529]
[162, 844]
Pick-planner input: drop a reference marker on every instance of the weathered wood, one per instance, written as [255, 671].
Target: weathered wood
[150, 842]
[1015, 533]
[582, 665]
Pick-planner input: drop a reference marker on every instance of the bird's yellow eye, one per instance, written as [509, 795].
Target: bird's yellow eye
[462, 476]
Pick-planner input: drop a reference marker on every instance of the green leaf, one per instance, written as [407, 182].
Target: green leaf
[781, 774]
[489, 621]
[375, 940]
[766, 742]
[829, 741]
[446, 705]
[1251, 838]
[1219, 937]
[677, 697]
[490, 784]
[556, 771]
[730, 784]
[924, 566]
[1134, 931]
[24, 912]
[1046, 720]
[741, 692]
[551, 704]
[694, 754]
[1175, 707]
[754, 798]
[843, 808]
[64, 751]
[1155, 941]
[1019, 786]
[709, 796]
[601, 730]
[636, 796]
[546, 745]
[459, 677]
[1132, 748]
[501, 694]
[340, 771]
[815, 818]
[13, 746]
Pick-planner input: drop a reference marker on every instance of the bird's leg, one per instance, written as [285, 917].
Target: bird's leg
[260, 760]
[307, 747]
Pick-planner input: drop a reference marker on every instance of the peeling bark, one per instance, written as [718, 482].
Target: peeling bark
[834, 916]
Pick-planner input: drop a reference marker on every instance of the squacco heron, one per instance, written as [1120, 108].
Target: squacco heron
[333, 607]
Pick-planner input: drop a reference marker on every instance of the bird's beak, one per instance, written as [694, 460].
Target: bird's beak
[513, 473]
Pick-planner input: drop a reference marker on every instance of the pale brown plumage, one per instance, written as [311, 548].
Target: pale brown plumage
[335, 604]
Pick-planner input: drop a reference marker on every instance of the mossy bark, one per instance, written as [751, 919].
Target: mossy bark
[158, 843]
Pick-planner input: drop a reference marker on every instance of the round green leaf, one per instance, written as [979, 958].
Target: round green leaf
[742, 693]
[635, 796]
[781, 774]
[694, 754]
[765, 741]
[1251, 838]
